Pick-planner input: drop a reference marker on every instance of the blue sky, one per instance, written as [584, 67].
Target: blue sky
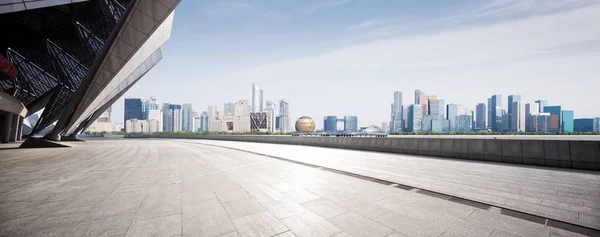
[346, 57]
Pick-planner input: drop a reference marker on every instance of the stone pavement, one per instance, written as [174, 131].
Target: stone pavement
[571, 196]
[176, 188]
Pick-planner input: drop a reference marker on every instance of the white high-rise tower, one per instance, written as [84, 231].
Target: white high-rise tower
[257, 98]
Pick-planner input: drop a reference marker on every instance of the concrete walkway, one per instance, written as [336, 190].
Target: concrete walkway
[571, 196]
[175, 188]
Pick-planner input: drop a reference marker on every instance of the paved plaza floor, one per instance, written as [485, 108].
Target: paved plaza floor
[152, 187]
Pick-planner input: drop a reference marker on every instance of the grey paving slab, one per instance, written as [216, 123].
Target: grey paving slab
[158, 207]
[214, 224]
[410, 226]
[111, 226]
[178, 188]
[534, 190]
[164, 226]
[243, 207]
[284, 208]
[357, 225]
[308, 224]
[259, 224]
[325, 208]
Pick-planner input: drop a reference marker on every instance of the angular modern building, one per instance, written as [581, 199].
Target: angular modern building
[259, 122]
[73, 59]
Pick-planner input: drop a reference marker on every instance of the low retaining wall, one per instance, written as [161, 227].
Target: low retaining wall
[583, 155]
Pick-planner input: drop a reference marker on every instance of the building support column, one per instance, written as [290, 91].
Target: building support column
[7, 126]
[14, 127]
[20, 129]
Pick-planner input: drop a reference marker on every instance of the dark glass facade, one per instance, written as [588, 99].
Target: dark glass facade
[330, 123]
[496, 103]
[583, 125]
[133, 110]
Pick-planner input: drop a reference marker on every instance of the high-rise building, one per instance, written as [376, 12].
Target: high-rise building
[204, 121]
[259, 122]
[257, 98]
[489, 113]
[543, 122]
[167, 118]
[463, 123]
[177, 120]
[452, 111]
[496, 106]
[424, 102]
[385, 127]
[270, 109]
[228, 109]
[415, 116]
[186, 118]
[404, 117]
[213, 114]
[330, 123]
[480, 116]
[555, 118]
[241, 116]
[396, 122]
[531, 112]
[437, 107]
[149, 105]
[350, 124]
[586, 125]
[430, 119]
[511, 100]
[133, 110]
[284, 116]
[440, 125]
[517, 118]
[136, 125]
[541, 104]
[418, 94]
[567, 120]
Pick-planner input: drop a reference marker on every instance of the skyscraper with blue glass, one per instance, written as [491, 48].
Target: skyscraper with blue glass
[496, 106]
[567, 121]
[555, 112]
[415, 116]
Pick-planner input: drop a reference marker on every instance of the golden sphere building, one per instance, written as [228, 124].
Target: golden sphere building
[305, 124]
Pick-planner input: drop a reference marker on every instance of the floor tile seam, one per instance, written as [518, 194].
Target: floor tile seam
[311, 165]
[138, 209]
[370, 152]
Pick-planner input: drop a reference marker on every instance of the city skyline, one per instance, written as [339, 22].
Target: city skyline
[463, 59]
[441, 107]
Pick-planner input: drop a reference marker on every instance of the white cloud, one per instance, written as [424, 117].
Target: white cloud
[364, 24]
[464, 65]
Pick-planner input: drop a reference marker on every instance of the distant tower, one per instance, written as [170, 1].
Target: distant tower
[133, 110]
[257, 98]
[496, 105]
[418, 93]
[480, 116]
[186, 117]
